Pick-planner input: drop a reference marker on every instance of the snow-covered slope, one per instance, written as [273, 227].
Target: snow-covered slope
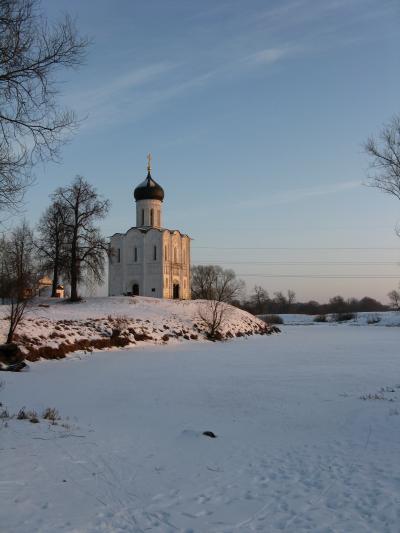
[52, 328]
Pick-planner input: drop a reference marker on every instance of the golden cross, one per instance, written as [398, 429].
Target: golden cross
[149, 162]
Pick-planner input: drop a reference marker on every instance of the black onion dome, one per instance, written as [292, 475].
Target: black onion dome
[149, 190]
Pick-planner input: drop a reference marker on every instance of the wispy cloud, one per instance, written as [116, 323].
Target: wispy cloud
[295, 195]
[135, 78]
[139, 91]
[142, 90]
[92, 98]
[286, 196]
[268, 56]
[300, 12]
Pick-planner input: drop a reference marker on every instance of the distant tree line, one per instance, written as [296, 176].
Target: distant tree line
[260, 303]
[211, 282]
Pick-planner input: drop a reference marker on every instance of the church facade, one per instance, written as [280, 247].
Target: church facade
[149, 260]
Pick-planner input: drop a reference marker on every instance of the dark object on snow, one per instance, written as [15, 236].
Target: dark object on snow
[17, 367]
[272, 319]
[210, 434]
[344, 317]
[11, 358]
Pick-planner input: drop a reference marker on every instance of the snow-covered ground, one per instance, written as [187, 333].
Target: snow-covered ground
[297, 448]
[381, 318]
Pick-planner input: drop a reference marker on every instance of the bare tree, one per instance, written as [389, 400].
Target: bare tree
[202, 279]
[32, 123]
[280, 303]
[394, 297]
[19, 274]
[218, 287]
[213, 314]
[385, 155]
[85, 247]
[259, 300]
[291, 299]
[211, 282]
[51, 243]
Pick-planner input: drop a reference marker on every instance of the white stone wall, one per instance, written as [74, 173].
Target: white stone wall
[176, 264]
[156, 274]
[143, 213]
[116, 265]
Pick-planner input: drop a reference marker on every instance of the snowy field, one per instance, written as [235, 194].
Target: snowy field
[297, 449]
[375, 319]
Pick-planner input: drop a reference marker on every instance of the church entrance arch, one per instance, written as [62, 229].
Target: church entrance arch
[176, 294]
[135, 289]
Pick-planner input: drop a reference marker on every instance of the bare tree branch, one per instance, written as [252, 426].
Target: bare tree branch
[385, 158]
[33, 126]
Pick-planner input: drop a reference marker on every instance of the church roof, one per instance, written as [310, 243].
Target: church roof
[144, 229]
[149, 190]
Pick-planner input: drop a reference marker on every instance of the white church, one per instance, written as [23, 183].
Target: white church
[149, 260]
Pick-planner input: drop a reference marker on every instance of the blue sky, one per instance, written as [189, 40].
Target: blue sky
[255, 113]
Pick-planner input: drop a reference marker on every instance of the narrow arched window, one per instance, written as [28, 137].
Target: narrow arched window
[175, 255]
[142, 217]
[158, 218]
[136, 254]
[151, 217]
[165, 253]
[155, 253]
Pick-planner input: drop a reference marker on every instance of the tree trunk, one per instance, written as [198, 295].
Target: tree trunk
[10, 335]
[55, 268]
[74, 283]
[74, 262]
[55, 280]
[74, 276]
[11, 327]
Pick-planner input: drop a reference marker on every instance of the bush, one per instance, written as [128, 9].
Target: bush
[4, 414]
[22, 415]
[373, 319]
[51, 414]
[32, 415]
[273, 319]
[320, 318]
[344, 317]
